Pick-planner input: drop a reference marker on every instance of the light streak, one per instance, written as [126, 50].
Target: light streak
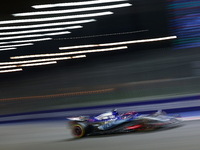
[10, 70]
[28, 65]
[39, 30]
[70, 53]
[18, 45]
[73, 10]
[75, 3]
[6, 67]
[5, 49]
[26, 41]
[119, 43]
[60, 95]
[57, 18]
[41, 60]
[99, 35]
[37, 64]
[47, 24]
[32, 35]
[140, 41]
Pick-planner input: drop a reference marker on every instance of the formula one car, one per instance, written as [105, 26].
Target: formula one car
[113, 122]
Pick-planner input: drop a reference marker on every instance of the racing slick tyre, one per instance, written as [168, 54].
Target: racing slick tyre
[78, 130]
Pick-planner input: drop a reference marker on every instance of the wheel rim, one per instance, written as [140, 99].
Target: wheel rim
[77, 131]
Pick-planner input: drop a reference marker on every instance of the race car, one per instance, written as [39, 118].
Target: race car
[113, 122]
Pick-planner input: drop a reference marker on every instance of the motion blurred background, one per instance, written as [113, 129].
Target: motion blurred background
[144, 70]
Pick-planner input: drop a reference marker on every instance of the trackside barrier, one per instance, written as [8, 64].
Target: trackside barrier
[174, 105]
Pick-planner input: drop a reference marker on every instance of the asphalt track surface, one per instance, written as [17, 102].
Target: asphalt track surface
[55, 136]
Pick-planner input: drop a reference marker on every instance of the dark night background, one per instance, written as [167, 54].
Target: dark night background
[154, 61]
[164, 75]
[142, 15]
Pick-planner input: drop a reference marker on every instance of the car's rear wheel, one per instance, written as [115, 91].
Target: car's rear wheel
[78, 130]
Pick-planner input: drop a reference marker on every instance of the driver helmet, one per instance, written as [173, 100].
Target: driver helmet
[115, 112]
